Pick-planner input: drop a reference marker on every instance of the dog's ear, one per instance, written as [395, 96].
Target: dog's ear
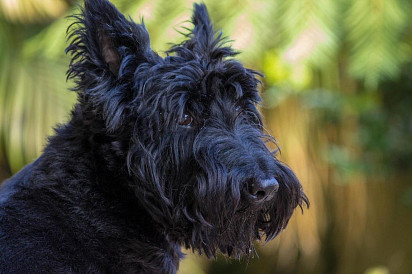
[204, 42]
[106, 49]
[203, 33]
[104, 38]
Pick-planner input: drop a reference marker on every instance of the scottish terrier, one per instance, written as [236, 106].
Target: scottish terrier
[160, 152]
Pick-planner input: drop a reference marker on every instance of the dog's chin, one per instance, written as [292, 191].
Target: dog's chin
[243, 230]
[234, 235]
[257, 223]
[234, 231]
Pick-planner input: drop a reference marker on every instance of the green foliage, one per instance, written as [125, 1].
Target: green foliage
[374, 30]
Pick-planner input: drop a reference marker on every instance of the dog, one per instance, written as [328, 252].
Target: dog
[160, 152]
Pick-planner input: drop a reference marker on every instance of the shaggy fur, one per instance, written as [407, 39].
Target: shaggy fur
[159, 153]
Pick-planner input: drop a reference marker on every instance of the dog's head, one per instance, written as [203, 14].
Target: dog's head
[189, 133]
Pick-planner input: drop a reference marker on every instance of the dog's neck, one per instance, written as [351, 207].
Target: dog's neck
[82, 138]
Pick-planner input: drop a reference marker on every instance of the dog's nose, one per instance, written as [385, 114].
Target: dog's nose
[263, 189]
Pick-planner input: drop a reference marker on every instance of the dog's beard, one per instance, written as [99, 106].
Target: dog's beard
[233, 232]
[232, 224]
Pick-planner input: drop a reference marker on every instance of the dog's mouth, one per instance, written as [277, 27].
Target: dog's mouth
[246, 227]
[260, 216]
[255, 208]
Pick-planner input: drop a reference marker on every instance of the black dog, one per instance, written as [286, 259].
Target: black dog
[159, 153]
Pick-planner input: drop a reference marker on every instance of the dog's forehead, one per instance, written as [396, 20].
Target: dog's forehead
[207, 80]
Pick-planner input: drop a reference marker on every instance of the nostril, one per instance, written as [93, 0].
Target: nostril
[253, 189]
[260, 195]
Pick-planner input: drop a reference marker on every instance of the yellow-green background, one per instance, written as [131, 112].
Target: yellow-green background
[337, 96]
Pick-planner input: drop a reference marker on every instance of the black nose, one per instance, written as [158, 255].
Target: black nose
[262, 189]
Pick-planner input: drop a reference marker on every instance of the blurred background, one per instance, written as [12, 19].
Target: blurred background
[337, 95]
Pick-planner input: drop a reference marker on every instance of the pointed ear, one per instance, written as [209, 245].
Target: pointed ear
[106, 50]
[109, 52]
[203, 33]
[102, 39]
[204, 42]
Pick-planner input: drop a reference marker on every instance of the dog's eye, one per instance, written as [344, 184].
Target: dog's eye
[186, 120]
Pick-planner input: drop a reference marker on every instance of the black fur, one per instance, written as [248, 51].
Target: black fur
[159, 153]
